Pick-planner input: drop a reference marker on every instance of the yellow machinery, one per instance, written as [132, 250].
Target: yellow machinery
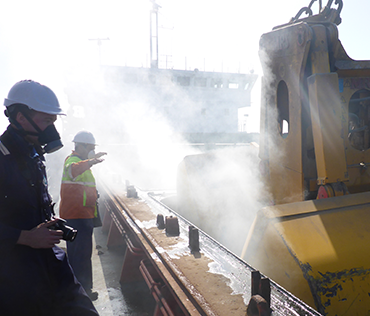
[314, 239]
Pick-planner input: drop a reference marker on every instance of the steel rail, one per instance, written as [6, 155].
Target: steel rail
[233, 267]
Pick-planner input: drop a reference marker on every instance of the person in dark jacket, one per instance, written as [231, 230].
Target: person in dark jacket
[35, 276]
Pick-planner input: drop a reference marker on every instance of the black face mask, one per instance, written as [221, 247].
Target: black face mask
[49, 137]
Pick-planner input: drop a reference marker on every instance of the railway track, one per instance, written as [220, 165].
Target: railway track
[187, 271]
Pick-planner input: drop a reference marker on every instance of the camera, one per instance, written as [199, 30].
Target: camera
[69, 233]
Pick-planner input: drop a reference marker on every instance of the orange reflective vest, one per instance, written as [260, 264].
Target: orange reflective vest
[78, 193]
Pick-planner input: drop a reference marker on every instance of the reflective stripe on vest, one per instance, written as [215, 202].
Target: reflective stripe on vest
[86, 179]
[87, 184]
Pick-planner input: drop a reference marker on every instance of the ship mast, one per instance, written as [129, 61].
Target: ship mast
[154, 35]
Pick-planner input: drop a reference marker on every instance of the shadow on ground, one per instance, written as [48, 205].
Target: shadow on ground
[116, 298]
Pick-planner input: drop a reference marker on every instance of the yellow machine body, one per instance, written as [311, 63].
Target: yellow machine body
[313, 238]
[315, 118]
[318, 250]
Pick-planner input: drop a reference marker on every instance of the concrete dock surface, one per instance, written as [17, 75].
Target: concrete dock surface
[116, 299]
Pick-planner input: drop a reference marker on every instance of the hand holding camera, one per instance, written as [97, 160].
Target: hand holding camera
[40, 236]
[69, 233]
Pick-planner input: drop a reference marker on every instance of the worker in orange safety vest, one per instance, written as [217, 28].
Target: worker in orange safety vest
[78, 198]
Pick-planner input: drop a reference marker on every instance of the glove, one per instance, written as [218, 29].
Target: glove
[98, 155]
[94, 161]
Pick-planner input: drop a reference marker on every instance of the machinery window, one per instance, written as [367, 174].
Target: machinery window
[283, 108]
[359, 120]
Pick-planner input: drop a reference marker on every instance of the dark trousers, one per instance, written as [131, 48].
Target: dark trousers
[80, 250]
[40, 282]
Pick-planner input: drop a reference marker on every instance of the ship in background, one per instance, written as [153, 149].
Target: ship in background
[149, 119]
[199, 107]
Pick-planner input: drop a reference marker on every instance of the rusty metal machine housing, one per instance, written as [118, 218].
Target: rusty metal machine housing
[314, 151]
[311, 88]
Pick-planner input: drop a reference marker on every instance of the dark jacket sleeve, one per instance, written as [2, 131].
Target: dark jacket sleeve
[8, 235]
[16, 204]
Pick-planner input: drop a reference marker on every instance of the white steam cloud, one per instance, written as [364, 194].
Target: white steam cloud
[221, 191]
[55, 43]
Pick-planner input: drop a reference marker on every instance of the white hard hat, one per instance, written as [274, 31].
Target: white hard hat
[84, 137]
[36, 96]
